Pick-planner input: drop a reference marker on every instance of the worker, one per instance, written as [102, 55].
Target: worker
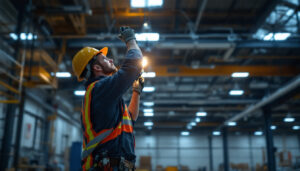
[107, 123]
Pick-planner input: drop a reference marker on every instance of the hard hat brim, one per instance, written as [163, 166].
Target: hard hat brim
[103, 51]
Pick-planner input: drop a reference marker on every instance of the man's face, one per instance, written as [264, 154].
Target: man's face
[107, 64]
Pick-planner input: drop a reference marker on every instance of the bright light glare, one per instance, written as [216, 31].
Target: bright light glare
[277, 36]
[148, 74]
[146, 3]
[236, 92]
[197, 119]
[268, 37]
[138, 3]
[144, 62]
[79, 92]
[216, 133]
[185, 133]
[148, 89]
[148, 114]
[153, 3]
[193, 123]
[296, 127]
[147, 36]
[273, 127]
[201, 114]
[29, 36]
[240, 74]
[147, 110]
[145, 24]
[289, 119]
[63, 74]
[148, 103]
[258, 133]
[189, 127]
[231, 123]
[23, 36]
[148, 123]
[13, 36]
[281, 36]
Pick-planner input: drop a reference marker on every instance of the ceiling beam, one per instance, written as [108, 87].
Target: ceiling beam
[226, 70]
[78, 22]
[187, 43]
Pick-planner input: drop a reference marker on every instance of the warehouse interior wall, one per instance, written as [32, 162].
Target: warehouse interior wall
[33, 126]
[193, 151]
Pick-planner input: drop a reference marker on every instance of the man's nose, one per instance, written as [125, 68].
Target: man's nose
[111, 60]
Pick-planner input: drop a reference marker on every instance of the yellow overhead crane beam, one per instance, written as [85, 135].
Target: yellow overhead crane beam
[224, 70]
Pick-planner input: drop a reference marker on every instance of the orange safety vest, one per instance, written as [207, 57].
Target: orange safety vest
[91, 138]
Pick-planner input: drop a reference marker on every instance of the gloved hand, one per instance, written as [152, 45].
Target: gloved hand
[126, 34]
[138, 85]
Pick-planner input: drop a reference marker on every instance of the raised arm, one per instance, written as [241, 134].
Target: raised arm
[117, 84]
[137, 88]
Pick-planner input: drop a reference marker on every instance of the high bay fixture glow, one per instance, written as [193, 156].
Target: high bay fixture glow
[231, 123]
[147, 36]
[63, 75]
[240, 74]
[147, 110]
[23, 36]
[216, 133]
[236, 92]
[148, 114]
[79, 92]
[296, 127]
[148, 123]
[197, 120]
[201, 114]
[149, 104]
[148, 74]
[193, 124]
[185, 133]
[273, 127]
[189, 127]
[148, 89]
[289, 119]
[145, 3]
[277, 36]
[258, 133]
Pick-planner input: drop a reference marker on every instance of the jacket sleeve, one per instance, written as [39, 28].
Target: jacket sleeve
[116, 85]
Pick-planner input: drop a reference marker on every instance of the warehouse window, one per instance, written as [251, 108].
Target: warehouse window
[146, 3]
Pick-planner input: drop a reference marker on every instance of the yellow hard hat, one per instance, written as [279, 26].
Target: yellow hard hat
[82, 58]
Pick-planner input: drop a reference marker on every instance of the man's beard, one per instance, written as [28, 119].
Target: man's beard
[108, 70]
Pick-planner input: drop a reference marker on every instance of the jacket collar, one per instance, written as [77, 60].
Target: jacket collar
[91, 80]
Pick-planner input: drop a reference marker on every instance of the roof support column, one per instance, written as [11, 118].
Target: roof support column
[269, 140]
[211, 166]
[225, 149]
[11, 108]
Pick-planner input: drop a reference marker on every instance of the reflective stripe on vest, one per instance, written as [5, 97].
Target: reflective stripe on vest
[93, 139]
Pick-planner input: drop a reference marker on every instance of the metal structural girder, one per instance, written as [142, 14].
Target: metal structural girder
[44, 77]
[226, 70]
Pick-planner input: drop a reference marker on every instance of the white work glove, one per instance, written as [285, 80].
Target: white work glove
[138, 85]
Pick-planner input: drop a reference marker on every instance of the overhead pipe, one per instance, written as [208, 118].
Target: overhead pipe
[199, 16]
[67, 9]
[204, 102]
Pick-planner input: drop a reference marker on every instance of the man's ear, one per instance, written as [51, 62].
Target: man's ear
[97, 67]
